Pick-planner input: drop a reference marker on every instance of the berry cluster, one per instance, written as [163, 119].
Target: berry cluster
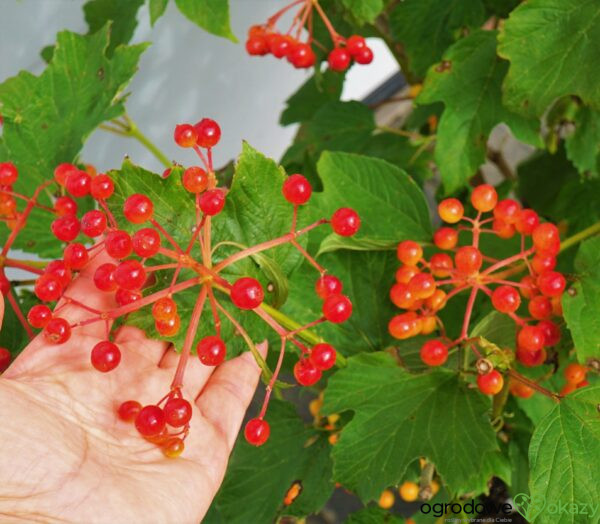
[127, 275]
[265, 39]
[423, 287]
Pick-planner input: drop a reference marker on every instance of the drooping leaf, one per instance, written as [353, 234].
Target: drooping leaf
[581, 302]
[563, 446]
[583, 145]
[210, 15]
[364, 10]
[315, 92]
[121, 16]
[497, 328]
[399, 417]
[549, 44]
[469, 81]
[265, 474]
[157, 9]
[426, 28]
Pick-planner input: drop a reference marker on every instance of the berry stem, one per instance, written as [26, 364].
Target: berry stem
[335, 37]
[534, 385]
[151, 269]
[273, 379]
[310, 259]
[19, 264]
[468, 312]
[215, 313]
[109, 214]
[166, 235]
[578, 237]
[273, 19]
[23, 197]
[134, 132]
[508, 261]
[15, 305]
[202, 157]
[305, 327]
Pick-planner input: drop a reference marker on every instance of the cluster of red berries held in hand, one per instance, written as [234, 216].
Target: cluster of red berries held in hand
[265, 39]
[423, 287]
[130, 272]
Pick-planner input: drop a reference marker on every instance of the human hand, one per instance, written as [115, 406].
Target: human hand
[65, 455]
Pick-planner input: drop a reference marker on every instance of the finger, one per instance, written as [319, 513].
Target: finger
[82, 300]
[229, 391]
[196, 373]
[1, 309]
[132, 339]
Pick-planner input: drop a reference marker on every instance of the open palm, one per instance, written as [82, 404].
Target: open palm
[66, 457]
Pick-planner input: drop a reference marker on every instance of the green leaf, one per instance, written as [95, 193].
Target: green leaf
[501, 8]
[469, 82]
[518, 447]
[335, 242]
[210, 15]
[315, 92]
[122, 15]
[373, 515]
[427, 27]
[548, 44]
[497, 328]
[12, 335]
[48, 117]
[581, 302]
[364, 10]
[583, 145]
[399, 417]
[391, 205]
[563, 450]
[157, 9]
[257, 479]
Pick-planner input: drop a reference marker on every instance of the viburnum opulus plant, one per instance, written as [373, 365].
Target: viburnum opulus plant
[147, 248]
[266, 39]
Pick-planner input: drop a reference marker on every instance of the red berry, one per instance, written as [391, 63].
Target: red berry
[345, 222]
[541, 263]
[484, 198]
[125, 296]
[8, 174]
[102, 187]
[434, 353]
[322, 356]
[48, 288]
[78, 183]
[93, 223]
[503, 229]
[65, 228]
[531, 338]
[209, 133]
[328, 285]
[441, 265]
[150, 421]
[138, 208]
[355, 43]
[62, 172]
[528, 287]
[57, 331]
[546, 238]
[5, 358]
[105, 356]
[168, 328]
[195, 179]
[302, 56]
[451, 210]
[551, 332]
[130, 275]
[212, 201]
[531, 358]
[211, 350]
[4, 283]
[65, 205]
[39, 316]
[185, 135]
[257, 46]
[507, 210]
[146, 242]
[247, 293]
[401, 296]
[405, 326]
[422, 285]
[104, 277]
[76, 256]
[166, 173]
[540, 307]
[527, 221]
[491, 383]
[164, 309]
[445, 238]
[257, 431]
[281, 45]
[506, 299]
[409, 252]
[551, 283]
[306, 373]
[178, 412]
[8, 205]
[60, 270]
[405, 273]
[129, 410]
[364, 56]
[575, 373]
[337, 308]
[118, 244]
[339, 59]
[468, 260]
[297, 189]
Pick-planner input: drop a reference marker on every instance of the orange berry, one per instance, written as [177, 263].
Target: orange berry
[386, 499]
[484, 198]
[409, 491]
[409, 252]
[451, 210]
[575, 373]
